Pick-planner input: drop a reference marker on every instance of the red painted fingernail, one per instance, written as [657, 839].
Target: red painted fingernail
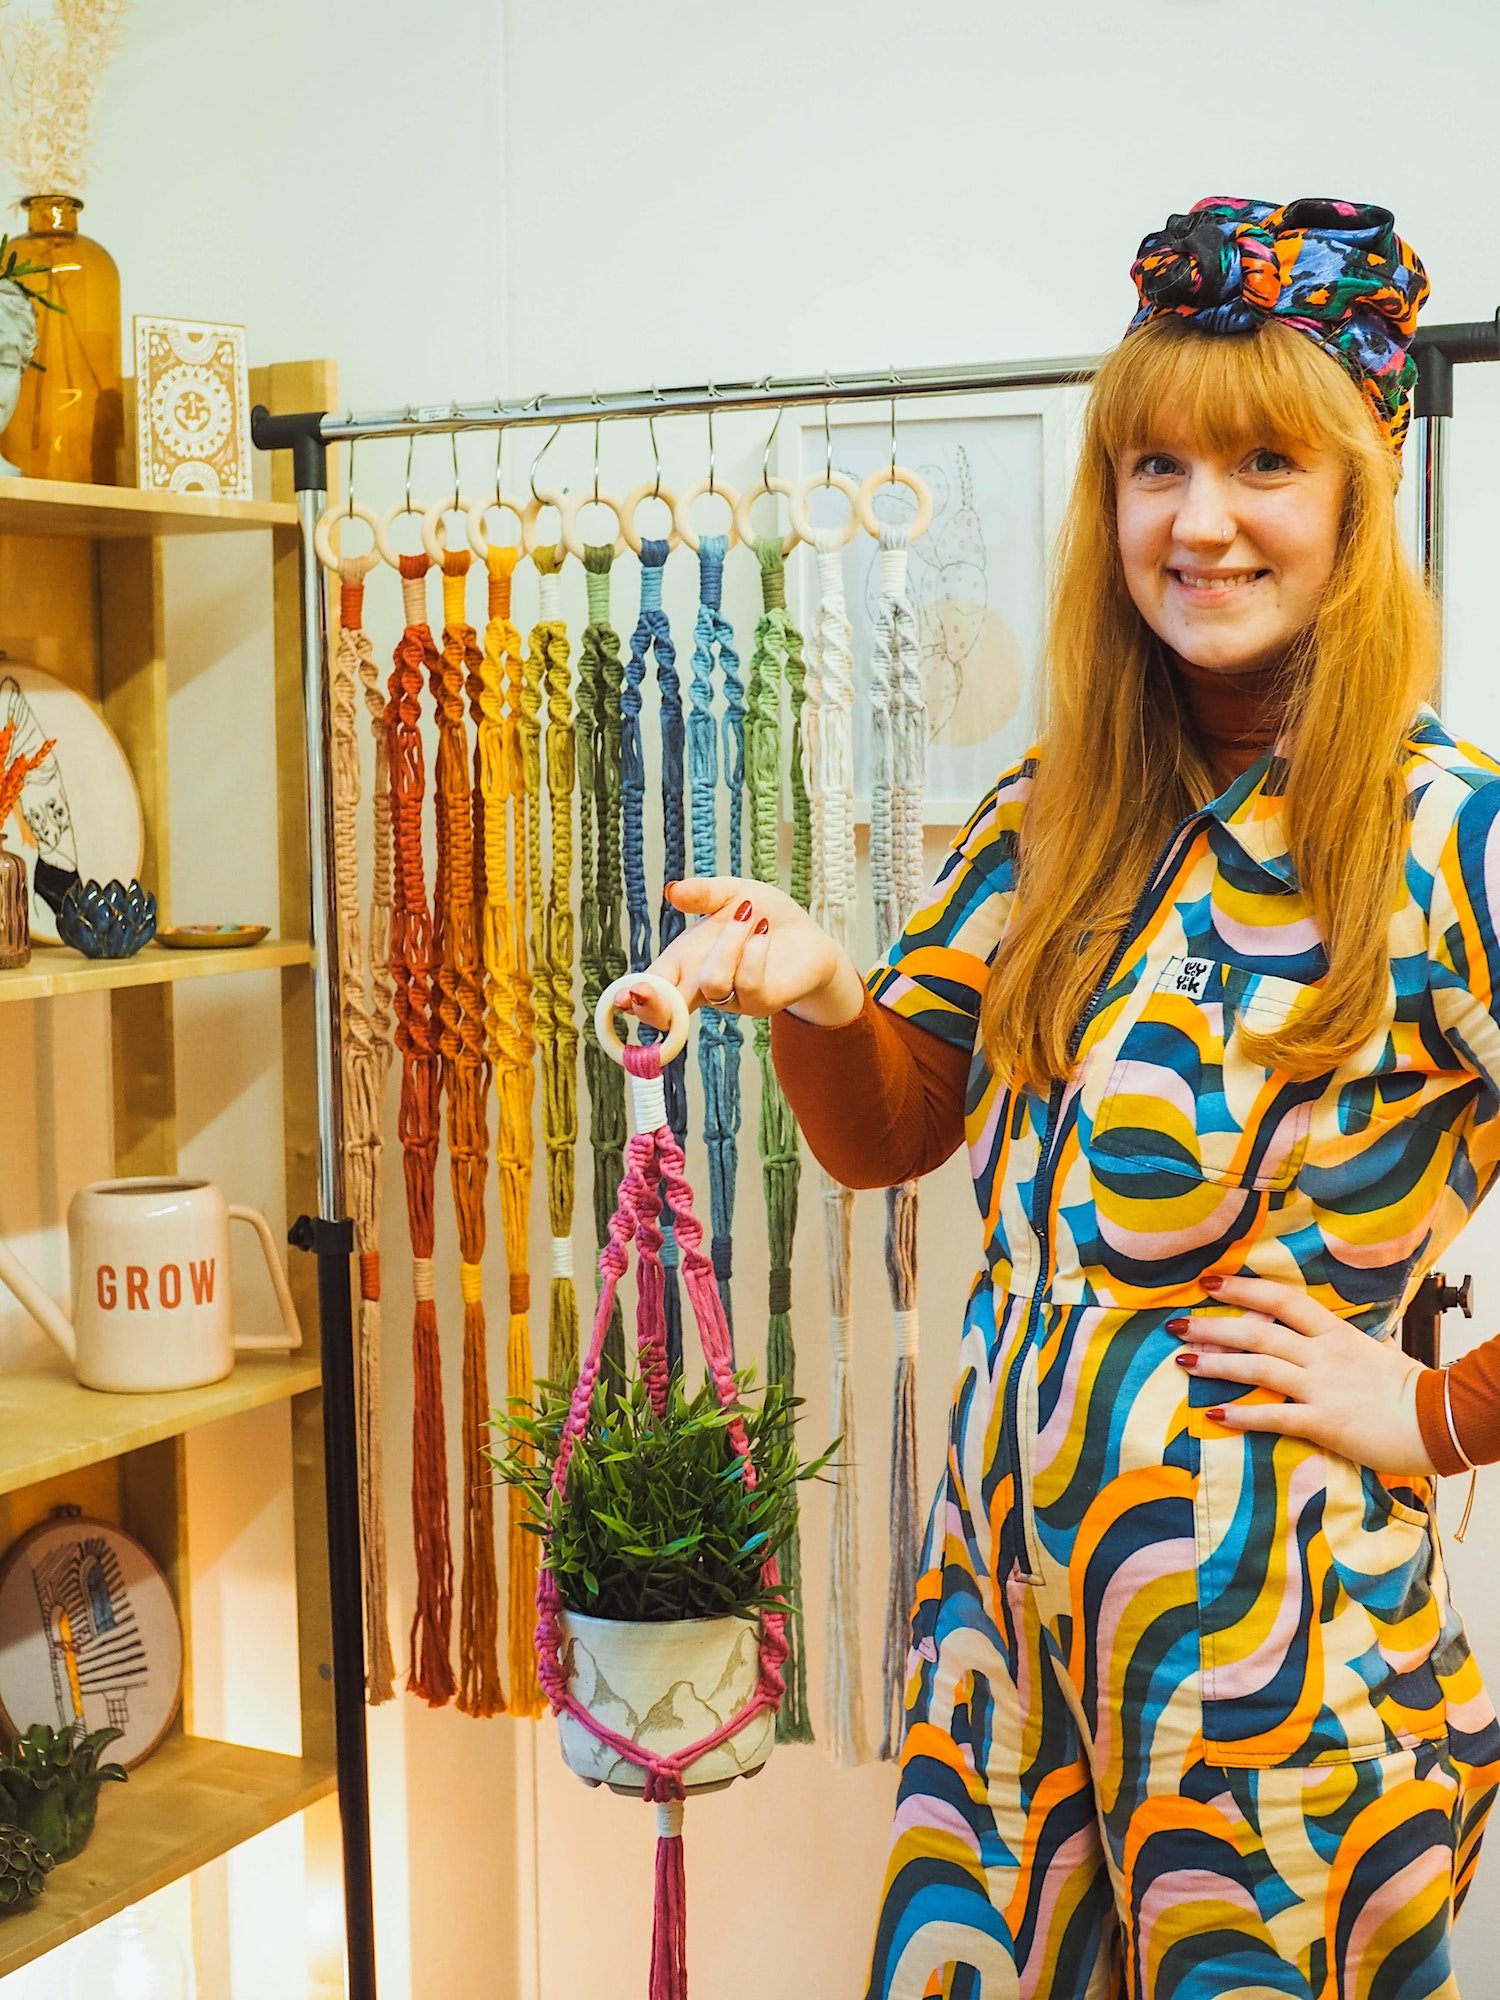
[1177, 1326]
[762, 927]
[1216, 1414]
[1212, 1284]
[1186, 1360]
[742, 913]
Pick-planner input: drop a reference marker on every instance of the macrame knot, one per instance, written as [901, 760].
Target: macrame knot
[414, 589]
[669, 1814]
[711, 570]
[894, 551]
[562, 1256]
[840, 1325]
[352, 603]
[643, 1059]
[471, 1283]
[369, 1274]
[501, 564]
[596, 565]
[772, 572]
[653, 555]
[520, 1293]
[721, 1251]
[906, 1332]
[421, 1278]
[779, 1292]
[664, 1788]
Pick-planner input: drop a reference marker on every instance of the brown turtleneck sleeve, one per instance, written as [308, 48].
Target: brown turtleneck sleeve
[879, 1100]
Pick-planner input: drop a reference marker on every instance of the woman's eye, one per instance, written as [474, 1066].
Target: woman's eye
[1279, 460]
[1153, 462]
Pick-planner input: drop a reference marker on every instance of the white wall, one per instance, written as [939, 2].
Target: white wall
[529, 198]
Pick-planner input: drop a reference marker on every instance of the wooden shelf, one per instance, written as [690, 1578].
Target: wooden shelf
[187, 1804]
[54, 969]
[124, 513]
[49, 1425]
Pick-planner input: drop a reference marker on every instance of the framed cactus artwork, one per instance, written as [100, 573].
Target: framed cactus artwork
[90, 1639]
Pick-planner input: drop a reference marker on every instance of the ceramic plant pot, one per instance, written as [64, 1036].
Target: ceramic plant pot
[15, 926]
[664, 1687]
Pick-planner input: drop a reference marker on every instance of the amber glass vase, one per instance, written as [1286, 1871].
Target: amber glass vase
[15, 923]
[70, 419]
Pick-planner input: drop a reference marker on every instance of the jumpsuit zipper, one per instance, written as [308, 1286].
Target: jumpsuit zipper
[1041, 1198]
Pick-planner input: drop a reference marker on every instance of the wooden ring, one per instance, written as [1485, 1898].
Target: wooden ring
[742, 507]
[647, 490]
[531, 513]
[841, 483]
[574, 505]
[478, 512]
[682, 513]
[604, 1015]
[434, 533]
[325, 545]
[383, 528]
[885, 475]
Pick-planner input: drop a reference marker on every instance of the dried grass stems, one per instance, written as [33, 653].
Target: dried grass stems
[50, 70]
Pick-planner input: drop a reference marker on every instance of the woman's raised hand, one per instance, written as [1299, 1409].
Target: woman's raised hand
[754, 950]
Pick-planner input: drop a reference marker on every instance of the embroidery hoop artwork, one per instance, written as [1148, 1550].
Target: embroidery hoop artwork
[89, 1635]
[79, 815]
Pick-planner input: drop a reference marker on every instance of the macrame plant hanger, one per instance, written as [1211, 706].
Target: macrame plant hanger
[653, 1163]
[459, 895]
[600, 681]
[413, 963]
[557, 1031]
[776, 663]
[365, 1012]
[511, 821]
[720, 1037]
[653, 635]
[828, 768]
[898, 710]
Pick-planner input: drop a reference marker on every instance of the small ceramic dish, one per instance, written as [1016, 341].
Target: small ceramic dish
[210, 937]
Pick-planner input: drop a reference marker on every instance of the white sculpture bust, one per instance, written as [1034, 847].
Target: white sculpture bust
[18, 342]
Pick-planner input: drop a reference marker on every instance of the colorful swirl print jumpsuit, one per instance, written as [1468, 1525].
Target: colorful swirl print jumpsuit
[1190, 1715]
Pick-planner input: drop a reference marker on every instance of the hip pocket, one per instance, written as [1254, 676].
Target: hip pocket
[1318, 1616]
[1183, 1097]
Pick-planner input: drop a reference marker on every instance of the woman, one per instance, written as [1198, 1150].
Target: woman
[1208, 982]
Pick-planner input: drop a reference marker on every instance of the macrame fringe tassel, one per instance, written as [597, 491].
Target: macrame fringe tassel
[843, 1693]
[905, 1533]
[669, 1927]
[480, 1689]
[793, 1719]
[562, 1331]
[432, 1622]
[522, 1547]
[380, 1665]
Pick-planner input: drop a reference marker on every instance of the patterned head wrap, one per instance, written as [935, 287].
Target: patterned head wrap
[1336, 270]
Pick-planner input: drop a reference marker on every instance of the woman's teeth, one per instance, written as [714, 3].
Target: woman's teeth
[1217, 582]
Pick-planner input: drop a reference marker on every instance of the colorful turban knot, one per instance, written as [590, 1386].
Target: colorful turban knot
[1336, 270]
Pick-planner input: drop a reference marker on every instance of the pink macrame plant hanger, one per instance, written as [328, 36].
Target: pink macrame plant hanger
[655, 1170]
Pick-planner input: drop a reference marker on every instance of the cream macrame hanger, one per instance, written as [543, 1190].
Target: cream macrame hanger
[897, 475]
[840, 482]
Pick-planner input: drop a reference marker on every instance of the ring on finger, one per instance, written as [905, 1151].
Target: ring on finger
[721, 1001]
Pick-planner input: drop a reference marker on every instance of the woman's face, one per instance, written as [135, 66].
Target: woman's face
[1226, 554]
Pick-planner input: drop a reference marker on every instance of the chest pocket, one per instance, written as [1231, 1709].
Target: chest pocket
[1184, 1099]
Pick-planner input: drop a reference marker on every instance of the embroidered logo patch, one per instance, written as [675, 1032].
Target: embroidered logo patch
[1190, 976]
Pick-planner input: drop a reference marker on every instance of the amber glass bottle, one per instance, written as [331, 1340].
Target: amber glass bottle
[69, 421]
[15, 925]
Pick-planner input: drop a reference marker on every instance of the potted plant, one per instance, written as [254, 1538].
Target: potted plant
[49, 1786]
[657, 1544]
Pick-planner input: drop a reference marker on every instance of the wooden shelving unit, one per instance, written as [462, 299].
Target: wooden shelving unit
[51, 973]
[82, 594]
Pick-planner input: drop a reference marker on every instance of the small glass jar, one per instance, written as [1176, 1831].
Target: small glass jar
[69, 421]
[15, 924]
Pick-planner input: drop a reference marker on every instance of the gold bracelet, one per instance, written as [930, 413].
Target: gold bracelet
[1448, 1413]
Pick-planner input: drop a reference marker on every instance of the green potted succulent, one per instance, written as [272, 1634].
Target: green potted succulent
[24, 1868]
[657, 1547]
[49, 1786]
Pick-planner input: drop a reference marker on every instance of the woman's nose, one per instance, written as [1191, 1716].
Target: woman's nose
[1205, 517]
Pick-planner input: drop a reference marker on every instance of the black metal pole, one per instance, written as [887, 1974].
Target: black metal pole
[330, 1235]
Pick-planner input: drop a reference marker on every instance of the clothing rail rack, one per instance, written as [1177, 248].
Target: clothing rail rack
[307, 435]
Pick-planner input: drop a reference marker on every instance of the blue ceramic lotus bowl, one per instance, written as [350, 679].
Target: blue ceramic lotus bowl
[109, 922]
